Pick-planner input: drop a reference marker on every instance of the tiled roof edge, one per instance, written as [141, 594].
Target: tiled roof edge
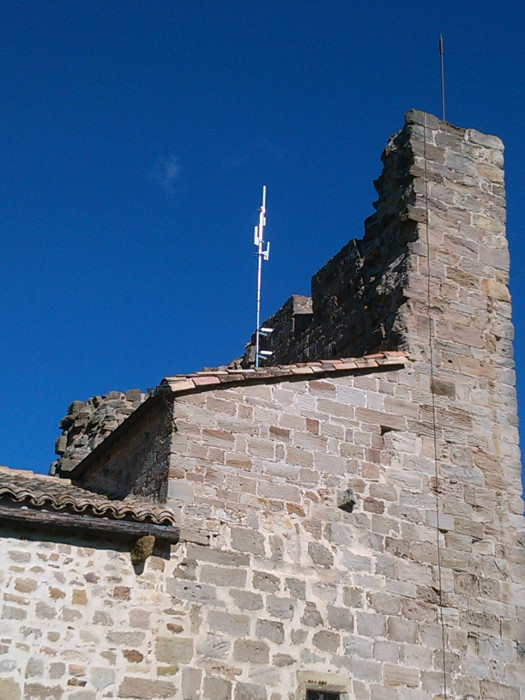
[181, 383]
[73, 523]
[40, 491]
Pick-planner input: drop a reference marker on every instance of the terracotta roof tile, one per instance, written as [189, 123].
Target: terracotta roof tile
[54, 494]
[212, 378]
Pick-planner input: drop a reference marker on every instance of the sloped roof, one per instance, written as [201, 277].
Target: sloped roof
[224, 375]
[39, 491]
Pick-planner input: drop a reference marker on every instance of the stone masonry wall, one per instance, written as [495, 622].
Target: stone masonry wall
[372, 578]
[88, 423]
[132, 461]
[279, 583]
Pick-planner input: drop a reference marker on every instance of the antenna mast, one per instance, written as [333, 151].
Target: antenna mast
[442, 54]
[262, 254]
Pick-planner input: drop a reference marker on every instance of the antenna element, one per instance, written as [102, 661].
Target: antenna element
[442, 54]
[258, 240]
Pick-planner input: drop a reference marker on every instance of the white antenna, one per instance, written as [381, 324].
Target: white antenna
[442, 54]
[262, 254]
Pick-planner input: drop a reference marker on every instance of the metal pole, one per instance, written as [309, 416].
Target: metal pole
[259, 282]
[442, 54]
[261, 255]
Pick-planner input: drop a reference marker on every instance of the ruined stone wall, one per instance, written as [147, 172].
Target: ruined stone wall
[360, 297]
[133, 460]
[88, 423]
[357, 295]
[289, 323]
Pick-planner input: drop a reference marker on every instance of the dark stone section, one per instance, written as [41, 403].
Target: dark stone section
[288, 324]
[357, 295]
[88, 423]
[134, 459]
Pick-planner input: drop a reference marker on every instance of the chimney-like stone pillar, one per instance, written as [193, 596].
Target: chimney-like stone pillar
[456, 317]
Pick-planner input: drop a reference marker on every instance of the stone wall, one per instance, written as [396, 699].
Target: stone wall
[275, 583]
[88, 423]
[373, 295]
[134, 459]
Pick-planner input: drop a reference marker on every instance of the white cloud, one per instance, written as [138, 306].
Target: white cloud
[167, 171]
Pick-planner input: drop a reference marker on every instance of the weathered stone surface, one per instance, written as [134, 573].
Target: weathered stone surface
[102, 677]
[9, 689]
[249, 650]
[145, 689]
[37, 691]
[249, 691]
[217, 689]
[87, 424]
[177, 650]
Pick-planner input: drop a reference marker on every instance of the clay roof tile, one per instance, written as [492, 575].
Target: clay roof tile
[52, 493]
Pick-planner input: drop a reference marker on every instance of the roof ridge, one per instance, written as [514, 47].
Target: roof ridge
[221, 375]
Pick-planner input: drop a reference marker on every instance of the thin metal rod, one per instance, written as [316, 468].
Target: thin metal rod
[261, 255]
[442, 54]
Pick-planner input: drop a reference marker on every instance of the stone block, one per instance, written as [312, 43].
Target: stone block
[267, 629]
[145, 689]
[282, 608]
[35, 667]
[326, 641]
[56, 670]
[249, 691]
[444, 522]
[177, 650]
[296, 588]
[246, 600]
[320, 554]
[217, 688]
[311, 615]
[170, 670]
[191, 683]
[229, 623]
[402, 630]
[358, 647]
[102, 677]
[10, 612]
[264, 581]
[370, 624]
[223, 576]
[245, 540]
[9, 689]
[134, 656]
[340, 618]
[401, 676]
[214, 646]
[127, 639]
[252, 651]
[180, 490]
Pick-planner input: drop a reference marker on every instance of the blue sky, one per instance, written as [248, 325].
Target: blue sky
[136, 137]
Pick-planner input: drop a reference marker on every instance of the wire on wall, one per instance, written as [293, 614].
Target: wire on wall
[434, 413]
